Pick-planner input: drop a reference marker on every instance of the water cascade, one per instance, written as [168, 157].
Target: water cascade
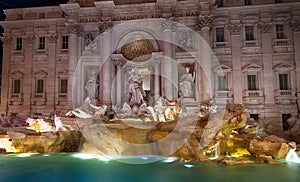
[292, 156]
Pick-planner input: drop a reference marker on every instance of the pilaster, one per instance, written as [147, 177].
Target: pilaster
[235, 35]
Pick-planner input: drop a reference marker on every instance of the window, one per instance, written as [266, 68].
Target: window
[63, 86]
[222, 83]
[220, 34]
[19, 44]
[254, 116]
[247, 2]
[279, 31]
[249, 33]
[16, 86]
[40, 86]
[41, 43]
[252, 82]
[41, 15]
[285, 124]
[219, 3]
[283, 82]
[65, 42]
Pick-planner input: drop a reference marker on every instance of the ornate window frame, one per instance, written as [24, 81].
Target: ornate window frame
[16, 98]
[289, 69]
[223, 70]
[39, 98]
[252, 69]
[62, 74]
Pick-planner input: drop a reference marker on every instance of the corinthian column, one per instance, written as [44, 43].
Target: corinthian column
[74, 31]
[157, 87]
[267, 51]
[204, 24]
[105, 72]
[119, 63]
[6, 40]
[235, 32]
[167, 72]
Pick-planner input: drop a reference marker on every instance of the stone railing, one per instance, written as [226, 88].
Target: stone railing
[62, 95]
[64, 51]
[221, 93]
[17, 53]
[250, 43]
[39, 96]
[253, 93]
[221, 44]
[279, 42]
[15, 99]
[285, 93]
[15, 96]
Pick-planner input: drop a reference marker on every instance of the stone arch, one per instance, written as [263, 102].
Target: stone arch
[127, 35]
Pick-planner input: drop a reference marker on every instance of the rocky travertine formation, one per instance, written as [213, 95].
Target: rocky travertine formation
[221, 135]
[45, 142]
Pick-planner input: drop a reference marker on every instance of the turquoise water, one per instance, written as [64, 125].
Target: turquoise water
[65, 167]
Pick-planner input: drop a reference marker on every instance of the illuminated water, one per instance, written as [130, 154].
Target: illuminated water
[67, 168]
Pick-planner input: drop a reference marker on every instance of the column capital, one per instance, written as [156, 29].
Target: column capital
[104, 26]
[28, 39]
[265, 27]
[204, 21]
[74, 28]
[169, 24]
[52, 38]
[119, 62]
[6, 40]
[235, 29]
[295, 25]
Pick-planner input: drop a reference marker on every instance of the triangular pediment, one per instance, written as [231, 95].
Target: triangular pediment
[284, 66]
[222, 68]
[40, 73]
[252, 67]
[17, 74]
[62, 72]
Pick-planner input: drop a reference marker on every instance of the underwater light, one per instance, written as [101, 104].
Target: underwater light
[25, 155]
[170, 159]
[46, 155]
[188, 165]
[144, 158]
[91, 156]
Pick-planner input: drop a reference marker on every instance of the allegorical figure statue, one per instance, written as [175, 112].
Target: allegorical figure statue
[136, 92]
[186, 84]
[91, 85]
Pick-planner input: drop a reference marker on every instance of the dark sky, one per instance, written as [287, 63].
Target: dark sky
[8, 4]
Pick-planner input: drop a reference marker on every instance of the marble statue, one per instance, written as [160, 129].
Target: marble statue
[153, 113]
[99, 110]
[90, 44]
[125, 111]
[186, 84]
[136, 92]
[91, 85]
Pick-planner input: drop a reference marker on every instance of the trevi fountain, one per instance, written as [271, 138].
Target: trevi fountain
[145, 137]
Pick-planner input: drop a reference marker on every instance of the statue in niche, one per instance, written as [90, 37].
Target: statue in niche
[136, 92]
[90, 44]
[186, 84]
[91, 85]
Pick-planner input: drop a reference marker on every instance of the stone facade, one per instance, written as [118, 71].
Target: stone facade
[50, 52]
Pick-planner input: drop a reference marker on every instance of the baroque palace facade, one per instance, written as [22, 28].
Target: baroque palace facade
[52, 53]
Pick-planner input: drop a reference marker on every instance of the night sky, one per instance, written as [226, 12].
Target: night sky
[8, 4]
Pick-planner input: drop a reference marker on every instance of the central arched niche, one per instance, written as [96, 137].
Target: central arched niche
[137, 49]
